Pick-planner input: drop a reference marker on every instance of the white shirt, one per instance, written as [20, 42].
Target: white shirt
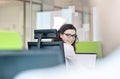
[69, 53]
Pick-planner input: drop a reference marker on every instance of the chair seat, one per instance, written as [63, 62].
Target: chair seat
[89, 47]
[10, 41]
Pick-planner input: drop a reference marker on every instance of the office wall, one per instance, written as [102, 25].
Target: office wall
[11, 18]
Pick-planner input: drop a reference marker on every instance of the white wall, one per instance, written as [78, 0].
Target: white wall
[11, 18]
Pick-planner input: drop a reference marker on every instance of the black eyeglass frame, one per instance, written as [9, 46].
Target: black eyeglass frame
[70, 35]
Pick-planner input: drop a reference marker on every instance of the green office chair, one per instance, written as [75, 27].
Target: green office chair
[89, 47]
[10, 41]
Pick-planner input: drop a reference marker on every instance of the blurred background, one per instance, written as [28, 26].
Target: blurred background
[24, 16]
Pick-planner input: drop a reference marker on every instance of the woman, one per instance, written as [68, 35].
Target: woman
[67, 34]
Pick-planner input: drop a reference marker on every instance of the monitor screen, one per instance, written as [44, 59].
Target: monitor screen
[14, 62]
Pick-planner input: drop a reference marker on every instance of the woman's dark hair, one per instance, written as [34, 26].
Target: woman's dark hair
[62, 29]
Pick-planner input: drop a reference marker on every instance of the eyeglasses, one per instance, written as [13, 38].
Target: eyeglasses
[70, 35]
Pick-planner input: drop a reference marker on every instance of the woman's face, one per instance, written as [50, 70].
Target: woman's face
[68, 36]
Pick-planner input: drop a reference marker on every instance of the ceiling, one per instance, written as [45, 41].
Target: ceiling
[82, 2]
[79, 4]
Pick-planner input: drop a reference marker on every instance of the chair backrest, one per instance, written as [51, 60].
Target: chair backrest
[89, 47]
[14, 62]
[10, 41]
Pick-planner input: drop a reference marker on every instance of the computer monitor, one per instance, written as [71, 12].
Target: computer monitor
[46, 33]
[14, 62]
